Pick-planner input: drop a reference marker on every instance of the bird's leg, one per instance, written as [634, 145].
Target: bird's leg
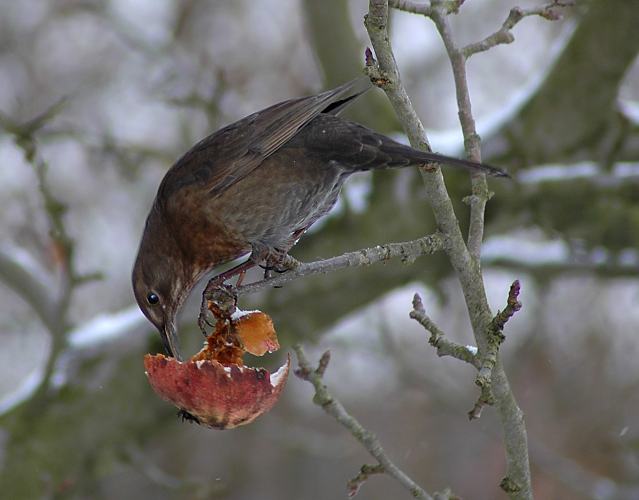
[202, 321]
[214, 283]
[274, 260]
[268, 272]
[240, 279]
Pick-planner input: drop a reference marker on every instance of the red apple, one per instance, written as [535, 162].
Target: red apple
[214, 386]
[219, 396]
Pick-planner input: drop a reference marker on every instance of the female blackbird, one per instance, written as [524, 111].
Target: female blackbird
[255, 186]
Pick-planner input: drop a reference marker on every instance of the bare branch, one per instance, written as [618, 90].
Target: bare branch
[487, 363]
[411, 6]
[29, 128]
[30, 284]
[424, 9]
[53, 308]
[437, 339]
[407, 251]
[385, 74]
[480, 195]
[490, 356]
[335, 409]
[376, 23]
[512, 306]
[504, 35]
[465, 260]
[365, 472]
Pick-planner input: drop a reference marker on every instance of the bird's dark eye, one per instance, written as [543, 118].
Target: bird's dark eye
[152, 298]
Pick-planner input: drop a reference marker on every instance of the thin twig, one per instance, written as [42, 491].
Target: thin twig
[492, 380]
[385, 74]
[480, 195]
[424, 9]
[503, 35]
[54, 312]
[63, 251]
[437, 338]
[365, 472]
[376, 22]
[512, 306]
[33, 285]
[411, 6]
[489, 360]
[335, 409]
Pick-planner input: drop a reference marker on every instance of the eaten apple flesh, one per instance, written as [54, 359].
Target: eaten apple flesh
[214, 387]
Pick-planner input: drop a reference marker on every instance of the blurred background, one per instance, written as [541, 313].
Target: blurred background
[99, 98]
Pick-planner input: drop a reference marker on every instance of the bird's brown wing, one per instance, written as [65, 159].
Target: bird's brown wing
[230, 154]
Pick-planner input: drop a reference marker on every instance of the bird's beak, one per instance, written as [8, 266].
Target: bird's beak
[171, 340]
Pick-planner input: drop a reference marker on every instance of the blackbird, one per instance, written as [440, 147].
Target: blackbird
[255, 186]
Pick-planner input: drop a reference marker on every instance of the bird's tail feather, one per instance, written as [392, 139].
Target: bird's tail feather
[459, 162]
[400, 155]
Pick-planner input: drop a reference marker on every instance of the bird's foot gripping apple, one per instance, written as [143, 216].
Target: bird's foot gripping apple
[214, 387]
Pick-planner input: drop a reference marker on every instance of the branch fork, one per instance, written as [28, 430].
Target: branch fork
[484, 361]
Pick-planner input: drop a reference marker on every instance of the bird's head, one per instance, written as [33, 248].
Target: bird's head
[161, 283]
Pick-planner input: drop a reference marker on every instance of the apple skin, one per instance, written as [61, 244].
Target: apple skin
[219, 396]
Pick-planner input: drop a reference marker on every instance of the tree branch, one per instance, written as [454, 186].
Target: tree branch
[437, 339]
[411, 6]
[365, 472]
[28, 283]
[407, 251]
[479, 197]
[491, 356]
[54, 307]
[516, 14]
[335, 409]
[424, 9]
[465, 262]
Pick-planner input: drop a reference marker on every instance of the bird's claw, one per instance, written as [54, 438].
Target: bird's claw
[275, 268]
[202, 321]
[274, 260]
[218, 298]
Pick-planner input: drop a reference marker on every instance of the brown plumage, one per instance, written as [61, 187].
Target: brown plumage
[255, 186]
